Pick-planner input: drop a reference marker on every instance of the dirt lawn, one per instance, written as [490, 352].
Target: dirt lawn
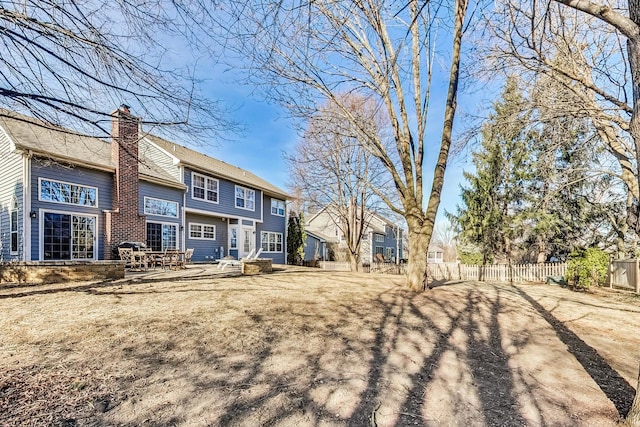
[303, 347]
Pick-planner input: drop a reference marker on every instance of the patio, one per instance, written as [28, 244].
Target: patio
[191, 271]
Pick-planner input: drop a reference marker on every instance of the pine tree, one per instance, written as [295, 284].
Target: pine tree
[296, 237]
[493, 211]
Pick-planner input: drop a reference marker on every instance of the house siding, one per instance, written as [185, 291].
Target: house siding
[313, 249]
[226, 198]
[11, 185]
[207, 250]
[159, 157]
[272, 223]
[45, 168]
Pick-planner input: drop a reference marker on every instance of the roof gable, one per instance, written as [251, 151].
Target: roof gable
[202, 162]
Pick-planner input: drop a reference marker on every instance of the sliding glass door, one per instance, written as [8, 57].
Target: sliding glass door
[68, 236]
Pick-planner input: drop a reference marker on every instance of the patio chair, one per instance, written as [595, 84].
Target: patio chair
[133, 262]
[159, 259]
[173, 259]
[188, 255]
[249, 257]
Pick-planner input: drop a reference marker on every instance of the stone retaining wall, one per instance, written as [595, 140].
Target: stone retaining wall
[40, 272]
[257, 266]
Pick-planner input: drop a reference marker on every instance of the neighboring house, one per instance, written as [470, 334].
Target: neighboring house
[317, 246]
[381, 236]
[69, 197]
[435, 255]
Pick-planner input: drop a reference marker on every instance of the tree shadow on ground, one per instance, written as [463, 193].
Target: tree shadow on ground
[356, 374]
[268, 351]
[614, 386]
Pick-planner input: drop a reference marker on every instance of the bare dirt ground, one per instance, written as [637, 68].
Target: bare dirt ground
[305, 347]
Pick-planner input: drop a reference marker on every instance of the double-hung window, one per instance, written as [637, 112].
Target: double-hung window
[204, 188]
[271, 242]
[245, 198]
[277, 207]
[379, 237]
[202, 231]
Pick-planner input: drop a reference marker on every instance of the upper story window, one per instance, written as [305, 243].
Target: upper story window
[160, 207]
[277, 207]
[202, 231]
[68, 193]
[379, 237]
[204, 188]
[245, 198]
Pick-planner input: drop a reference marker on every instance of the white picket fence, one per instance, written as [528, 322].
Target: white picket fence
[625, 273]
[455, 271]
[513, 273]
[335, 266]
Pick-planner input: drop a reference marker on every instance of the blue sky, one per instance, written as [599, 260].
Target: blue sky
[268, 133]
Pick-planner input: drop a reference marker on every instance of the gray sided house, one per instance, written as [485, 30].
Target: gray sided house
[382, 238]
[70, 197]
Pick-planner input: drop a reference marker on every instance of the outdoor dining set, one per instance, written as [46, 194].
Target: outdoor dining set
[142, 260]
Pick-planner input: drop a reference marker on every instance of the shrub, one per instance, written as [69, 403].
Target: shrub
[587, 268]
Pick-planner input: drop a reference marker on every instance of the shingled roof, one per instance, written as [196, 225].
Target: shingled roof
[202, 162]
[46, 140]
[43, 139]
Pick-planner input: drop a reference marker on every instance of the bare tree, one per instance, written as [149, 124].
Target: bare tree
[72, 63]
[307, 53]
[594, 49]
[332, 170]
[584, 58]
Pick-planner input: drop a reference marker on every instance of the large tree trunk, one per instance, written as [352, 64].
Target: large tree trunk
[417, 261]
[633, 47]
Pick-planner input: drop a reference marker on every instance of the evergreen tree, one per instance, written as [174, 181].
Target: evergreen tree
[296, 237]
[494, 203]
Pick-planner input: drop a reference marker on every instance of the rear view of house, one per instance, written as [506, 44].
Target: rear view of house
[68, 197]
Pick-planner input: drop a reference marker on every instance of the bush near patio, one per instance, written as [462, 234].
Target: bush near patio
[587, 267]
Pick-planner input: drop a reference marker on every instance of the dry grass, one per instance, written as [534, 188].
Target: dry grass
[305, 347]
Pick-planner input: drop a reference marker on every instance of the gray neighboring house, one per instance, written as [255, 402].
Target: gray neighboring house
[70, 197]
[317, 246]
[383, 239]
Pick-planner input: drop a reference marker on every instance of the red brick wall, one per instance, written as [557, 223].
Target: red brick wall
[126, 222]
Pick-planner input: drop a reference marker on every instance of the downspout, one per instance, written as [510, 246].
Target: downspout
[183, 232]
[397, 245]
[286, 231]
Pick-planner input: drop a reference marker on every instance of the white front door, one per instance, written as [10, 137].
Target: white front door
[247, 242]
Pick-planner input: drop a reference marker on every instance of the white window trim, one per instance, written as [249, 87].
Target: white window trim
[204, 199]
[201, 225]
[171, 224]
[161, 200]
[40, 179]
[379, 238]
[283, 206]
[43, 211]
[235, 198]
[281, 242]
[14, 208]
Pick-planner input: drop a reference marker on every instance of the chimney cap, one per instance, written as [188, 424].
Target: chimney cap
[124, 108]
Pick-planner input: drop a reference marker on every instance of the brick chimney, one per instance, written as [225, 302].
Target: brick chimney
[125, 222]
